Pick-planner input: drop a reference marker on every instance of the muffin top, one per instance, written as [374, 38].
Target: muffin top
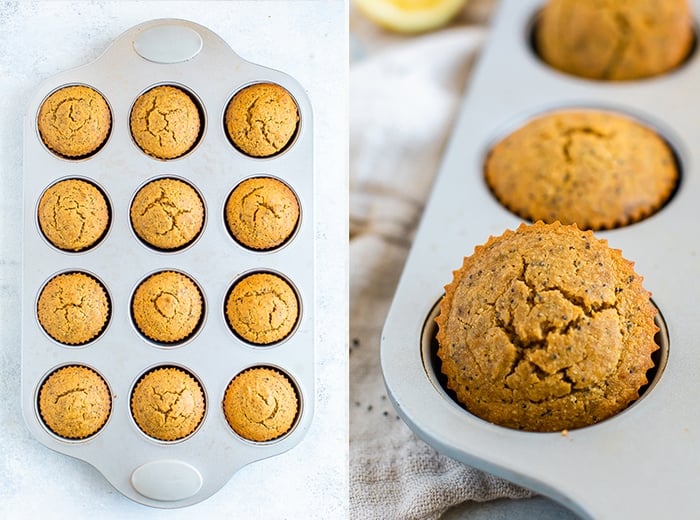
[260, 404]
[596, 169]
[74, 121]
[167, 307]
[620, 40]
[167, 214]
[262, 213]
[73, 308]
[73, 214]
[546, 328]
[261, 119]
[262, 308]
[74, 402]
[165, 122]
[167, 404]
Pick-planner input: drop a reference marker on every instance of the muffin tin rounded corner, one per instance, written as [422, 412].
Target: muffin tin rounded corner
[120, 260]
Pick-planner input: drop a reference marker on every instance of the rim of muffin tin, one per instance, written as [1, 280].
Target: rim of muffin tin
[521, 118]
[110, 214]
[79, 158]
[110, 307]
[529, 41]
[431, 365]
[291, 236]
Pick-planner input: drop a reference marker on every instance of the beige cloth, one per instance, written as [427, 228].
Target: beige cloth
[402, 105]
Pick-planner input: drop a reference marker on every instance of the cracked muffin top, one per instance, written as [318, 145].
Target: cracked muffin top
[261, 119]
[74, 121]
[546, 328]
[167, 404]
[615, 40]
[73, 214]
[262, 213]
[167, 307]
[262, 308]
[596, 169]
[74, 402]
[165, 122]
[73, 308]
[167, 214]
[260, 404]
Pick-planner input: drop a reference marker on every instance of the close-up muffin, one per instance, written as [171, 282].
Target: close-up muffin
[167, 214]
[168, 404]
[262, 213]
[261, 119]
[262, 308]
[74, 121]
[73, 214]
[74, 402]
[165, 122]
[594, 168]
[621, 40]
[167, 307]
[546, 328]
[260, 404]
[73, 308]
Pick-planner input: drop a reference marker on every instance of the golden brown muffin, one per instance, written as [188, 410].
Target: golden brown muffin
[74, 402]
[261, 119]
[73, 214]
[168, 404]
[546, 328]
[74, 121]
[167, 214]
[615, 40]
[167, 307]
[596, 169]
[165, 122]
[262, 213]
[260, 404]
[73, 308]
[262, 308]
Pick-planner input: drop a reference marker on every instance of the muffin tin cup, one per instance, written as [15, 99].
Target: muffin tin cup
[168, 475]
[641, 462]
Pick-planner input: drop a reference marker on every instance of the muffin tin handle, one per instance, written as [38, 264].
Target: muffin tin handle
[168, 43]
[166, 480]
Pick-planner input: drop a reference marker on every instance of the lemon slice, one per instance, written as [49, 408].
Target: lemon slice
[410, 16]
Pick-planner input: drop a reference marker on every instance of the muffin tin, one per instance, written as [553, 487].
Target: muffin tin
[168, 474]
[641, 463]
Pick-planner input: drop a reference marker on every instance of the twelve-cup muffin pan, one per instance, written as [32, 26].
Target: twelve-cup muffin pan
[181, 472]
[642, 462]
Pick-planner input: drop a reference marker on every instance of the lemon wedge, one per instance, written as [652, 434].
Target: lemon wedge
[410, 16]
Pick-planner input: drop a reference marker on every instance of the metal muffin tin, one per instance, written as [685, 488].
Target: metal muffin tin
[643, 462]
[152, 472]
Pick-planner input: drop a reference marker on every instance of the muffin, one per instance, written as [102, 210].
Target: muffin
[165, 122]
[167, 214]
[262, 213]
[546, 328]
[167, 307]
[73, 308]
[73, 214]
[621, 40]
[261, 119]
[74, 402]
[74, 121]
[260, 404]
[262, 308]
[167, 404]
[597, 169]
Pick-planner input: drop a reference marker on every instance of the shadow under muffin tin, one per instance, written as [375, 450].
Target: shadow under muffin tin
[152, 466]
[652, 449]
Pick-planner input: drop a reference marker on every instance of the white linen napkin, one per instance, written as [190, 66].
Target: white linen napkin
[402, 105]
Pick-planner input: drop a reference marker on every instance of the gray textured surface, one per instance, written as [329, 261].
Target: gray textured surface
[40, 39]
